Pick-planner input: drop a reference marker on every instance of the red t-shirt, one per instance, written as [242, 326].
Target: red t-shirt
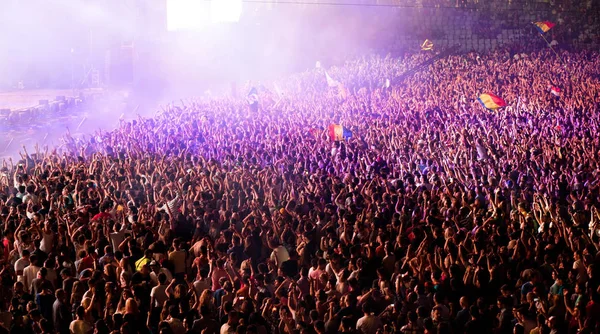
[7, 248]
[86, 263]
[101, 215]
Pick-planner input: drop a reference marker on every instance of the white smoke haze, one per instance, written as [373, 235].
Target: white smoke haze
[50, 44]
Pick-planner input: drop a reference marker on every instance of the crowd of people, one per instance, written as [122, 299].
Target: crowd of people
[436, 216]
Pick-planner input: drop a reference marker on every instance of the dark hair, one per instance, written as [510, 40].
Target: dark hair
[366, 308]
[474, 311]
[412, 316]
[162, 278]
[80, 311]
[46, 326]
[444, 328]
[519, 329]
[102, 327]
[348, 322]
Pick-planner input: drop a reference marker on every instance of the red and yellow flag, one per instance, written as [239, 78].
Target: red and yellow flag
[427, 45]
[491, 101]
[543, 26]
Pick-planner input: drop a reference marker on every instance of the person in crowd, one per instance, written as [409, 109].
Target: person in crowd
[435, 216]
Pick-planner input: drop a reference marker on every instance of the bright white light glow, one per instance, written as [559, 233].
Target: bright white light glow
[196, 14]
[187, 14]
[225, 10]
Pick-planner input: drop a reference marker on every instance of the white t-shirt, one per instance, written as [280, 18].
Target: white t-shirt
[368, 324]
[201, 285]
[116, 238]
[80, 327]
[281, 254]
[21, 264]
[47, 242]
[171, 206]
[159, 294]
[29, 274]
[154, 276]
[30, 197]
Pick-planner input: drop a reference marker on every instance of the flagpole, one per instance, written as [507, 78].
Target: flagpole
[551, 48]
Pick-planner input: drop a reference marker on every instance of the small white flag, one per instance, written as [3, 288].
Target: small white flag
[318, 64]
[278, 90]
[330, 81]
[387, 83]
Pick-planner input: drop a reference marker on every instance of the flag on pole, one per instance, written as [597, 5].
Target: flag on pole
[555, 91]
[277, 90]
[342, 91]
[543, 26]
[427, 45]
[330, 81]
[318, 64]
[338, 132]
[253, 99]
[491, 101]
[253, 96]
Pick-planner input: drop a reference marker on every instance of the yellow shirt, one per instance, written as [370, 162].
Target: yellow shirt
[141, 262]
